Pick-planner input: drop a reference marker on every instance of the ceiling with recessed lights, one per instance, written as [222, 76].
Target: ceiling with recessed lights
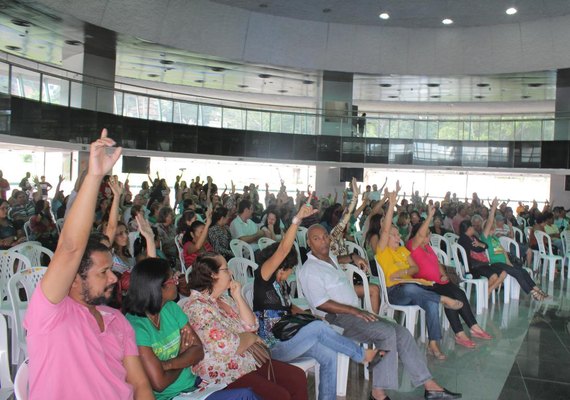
[408, 13]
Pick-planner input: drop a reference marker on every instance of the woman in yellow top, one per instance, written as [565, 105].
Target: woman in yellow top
[403, 289]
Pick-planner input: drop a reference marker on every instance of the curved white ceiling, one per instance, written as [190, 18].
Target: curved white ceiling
[407, 13]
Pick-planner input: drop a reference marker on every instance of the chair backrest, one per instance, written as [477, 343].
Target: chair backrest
[384, 300]
[264, 242]
[302, 236]
[358, 238]
[435, 241]
[59, 224]
[35, 253]
[507, 243]
[11, 262]
[247, 293]
[352, 247]
[29, 280]
[5, 378]
[451, 237]
[350, 270]
[521, 221]
[28, 230]
[518, 234]
[21, 381]
[180, 248]
[298, 250]
[541, 238]
[242, 249]
[527, 232]
[242, 269]
[565, 237]
[461, 260]
[442, 256]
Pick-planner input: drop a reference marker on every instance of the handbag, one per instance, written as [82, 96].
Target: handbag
[289, 325]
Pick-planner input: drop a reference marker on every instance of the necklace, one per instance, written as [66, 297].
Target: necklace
[155, 323]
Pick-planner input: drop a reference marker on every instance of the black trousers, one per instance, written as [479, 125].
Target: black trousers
[520, 274]
[455, 292]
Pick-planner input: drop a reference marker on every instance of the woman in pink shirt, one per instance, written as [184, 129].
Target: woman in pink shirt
[430, 269]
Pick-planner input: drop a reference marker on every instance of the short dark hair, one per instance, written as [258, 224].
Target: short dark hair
[200, 278]
[182, 225]
[243, 205]
[145, 287]
[289, 262]
[189, 233]
[93, 245]
[218, 214]
[464, 225]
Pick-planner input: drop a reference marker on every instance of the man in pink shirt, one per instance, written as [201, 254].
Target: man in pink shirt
[79, 348]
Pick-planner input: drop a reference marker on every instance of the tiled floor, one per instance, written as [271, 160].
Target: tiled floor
[529, 357]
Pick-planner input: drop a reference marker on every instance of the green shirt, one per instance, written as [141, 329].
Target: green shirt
[165, 344]
[495, 250]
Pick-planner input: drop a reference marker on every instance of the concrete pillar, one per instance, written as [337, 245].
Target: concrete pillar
[95, 61]
[336, 102]
[558, 193]
[562, 106]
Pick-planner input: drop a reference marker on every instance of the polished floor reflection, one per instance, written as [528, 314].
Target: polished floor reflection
[529, 357]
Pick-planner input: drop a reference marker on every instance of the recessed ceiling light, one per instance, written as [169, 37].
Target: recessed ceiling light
[199, 81]
[534, 84]
[479, 97]
[152, 75]
[264, 76]
[435, 96]
[433, 85]
[447, 21]
[13, 48]
[326, 10]
[385, 85]
[511, 11]
[73, 42]
[21, 22]
[392, 97]
[166, 62]
[263, 5]
[218, 69]
[242, 86]
[282, 91]
[308, 82]
[384, 15]
[482, 85]
[525, 97]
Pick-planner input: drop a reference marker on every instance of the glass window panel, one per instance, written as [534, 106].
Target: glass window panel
[209, 116]
[118, 103]
[406, 129]
[383, 128]
[160, 110]
[76, 94]
[258, 120]
[282, 123]
[185, 113]
[548, 129]
[432, 129]
[4, 77]
[448, 130]
[394, 126]
[479, 130]
[55, 90]
[135, 106]
[234, 118]
[501, 130]
[25, 83]
[420, 129]
[528, 130]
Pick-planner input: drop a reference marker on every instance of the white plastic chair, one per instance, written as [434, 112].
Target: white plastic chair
[6, 384]
[59, 224]
[507, 244]
[307, 364]
[451, 237]
[28, 279]
[549, 259]
[242, 249]
[180, 248]
[247, 293]
[436, 242]
[565, 237]
[518, 235]
[28, 230]
[467, 281]
[132, 237]
[352, 247]
[264, 242]
[242, 269]
[302, 236]
[410, 313]
[521, 221]
[21, 381]
[35, 252]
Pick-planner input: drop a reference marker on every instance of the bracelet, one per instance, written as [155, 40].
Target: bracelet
[296, 220]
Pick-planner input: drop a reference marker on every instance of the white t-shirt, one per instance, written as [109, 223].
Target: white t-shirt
[322, 282]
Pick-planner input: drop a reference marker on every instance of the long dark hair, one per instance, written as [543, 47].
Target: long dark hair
[277, 226]
[291, 260]
[374, 227]
[145, 289]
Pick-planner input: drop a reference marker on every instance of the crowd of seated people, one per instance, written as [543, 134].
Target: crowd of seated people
[214, 337]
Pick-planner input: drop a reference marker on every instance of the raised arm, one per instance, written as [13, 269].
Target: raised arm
[114, 212]
[273, 262]
[491, 218]
[387, 222]
[146, 231]
[423, 232]
[75, 233]
[192, 248]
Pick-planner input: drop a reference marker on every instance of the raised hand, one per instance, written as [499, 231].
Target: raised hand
[355, 188]
[235, 289]
[307, 209]
[393, 197]
[61, 178]
[430, 211]
[144, 227]
[209, 216]
[398, 187]
[116, 188]
[100, 159]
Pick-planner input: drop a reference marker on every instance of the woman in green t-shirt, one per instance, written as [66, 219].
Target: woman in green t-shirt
[168, 346]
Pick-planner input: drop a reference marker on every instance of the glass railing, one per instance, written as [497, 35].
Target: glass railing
[65, 88]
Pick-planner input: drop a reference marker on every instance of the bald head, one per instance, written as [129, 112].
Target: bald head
[318, 240]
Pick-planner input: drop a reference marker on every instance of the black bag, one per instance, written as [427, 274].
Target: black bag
[289, 325]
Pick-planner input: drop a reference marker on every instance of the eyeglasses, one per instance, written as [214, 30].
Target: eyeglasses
[173, 280]
[223, 269]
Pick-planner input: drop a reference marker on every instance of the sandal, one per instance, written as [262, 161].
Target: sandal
[481, 334]
[538, 295]
[465, 343]
[438, 355]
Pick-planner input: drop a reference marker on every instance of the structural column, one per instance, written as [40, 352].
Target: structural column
[336, 102]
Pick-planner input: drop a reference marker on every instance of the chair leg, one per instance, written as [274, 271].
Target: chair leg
[342, 374]
[317, 380]
[507, 283]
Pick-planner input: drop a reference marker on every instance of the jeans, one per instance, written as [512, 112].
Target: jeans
[389, 336]
[234, 394]
[406, 294]
[319, 341]
[455, 292]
